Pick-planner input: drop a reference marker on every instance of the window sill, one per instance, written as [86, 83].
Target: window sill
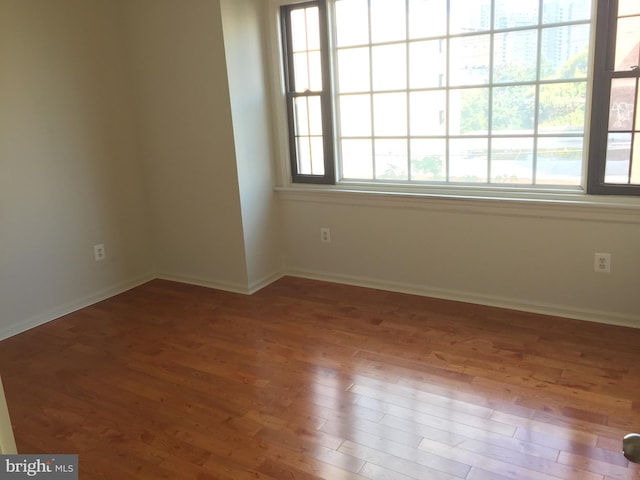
[561, 204]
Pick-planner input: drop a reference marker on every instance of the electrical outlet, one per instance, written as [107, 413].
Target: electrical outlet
[325, 234]
[99, 253]
[602, 262]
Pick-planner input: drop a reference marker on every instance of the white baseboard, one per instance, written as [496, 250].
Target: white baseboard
[565, 311]
[62, 310]
[221, 285]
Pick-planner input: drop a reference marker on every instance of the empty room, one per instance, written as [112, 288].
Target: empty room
[341, 239]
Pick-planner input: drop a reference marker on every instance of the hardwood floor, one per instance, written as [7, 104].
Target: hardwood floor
[308, 380]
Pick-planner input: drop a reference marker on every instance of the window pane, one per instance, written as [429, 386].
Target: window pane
[512, 160]
[562, 107]
[628, 7]
[353, 70]
[469, 60]
[558, 11]
[357, 159]
[468, 160]
[427, 18]
[388, 21]
[518, 13]
[427, 64]
[390, 67]
[618, 158]
[428, 159]
[513, 110]
[622, 104]
[352, 22]
[627, 43]
[355, 115]
[515, 56]
[307, 71]
[565, 52]
[310, 154]
[559, 161]
[428, 113]
[390, 114]
[391, 159]
[635, 165]
[301, 107]
[304, 29]
[317, 156]
[469, 16]
[303, 144]
[469, 111]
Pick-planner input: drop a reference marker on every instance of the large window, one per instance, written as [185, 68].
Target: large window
[489, 93]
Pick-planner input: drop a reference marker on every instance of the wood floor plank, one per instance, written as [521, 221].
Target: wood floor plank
[312, 380]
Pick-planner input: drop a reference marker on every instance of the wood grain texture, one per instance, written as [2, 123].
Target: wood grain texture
[311, 380]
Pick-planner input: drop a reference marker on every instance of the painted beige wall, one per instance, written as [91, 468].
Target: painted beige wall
[537, 258]
[187, 144]
[243, 39]
[69, 176]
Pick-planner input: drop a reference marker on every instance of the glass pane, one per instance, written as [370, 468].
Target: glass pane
[512, 160]
[353, 70]
[627, 43]
[635, 165]
[303, 145]
[559, 161]
[301, 71]
[622, 104]
[618, 158]
[427, 18]
[468, 160]
[299, 30]
[513, 110]
[565, 52]
[628, 7]
[355, 115]
[469, 111]
[357, 159]
[428, 160]
[427, 113]
[391, 159]
[301, 107]
[352, 22]
[388, 21]
[515, 56]
[315, 116]
[317, 156]
[518, 13]
[307, 71]
[390, 114]
[558, 11]
[562, 107]
[470, 60]
[470, 16]
[427, 64]
[390, 67]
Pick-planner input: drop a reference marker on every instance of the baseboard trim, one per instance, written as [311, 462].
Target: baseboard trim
[564, 311]
[220, 285]
[66, 309]
[205, 282]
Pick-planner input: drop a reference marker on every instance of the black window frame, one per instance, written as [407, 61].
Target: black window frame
[603, 56]
[329, 176]
[603, 74]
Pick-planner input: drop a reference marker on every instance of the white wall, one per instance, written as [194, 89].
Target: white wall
[518, 255]
[186, 133]
[69, 177]
[242, 21]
